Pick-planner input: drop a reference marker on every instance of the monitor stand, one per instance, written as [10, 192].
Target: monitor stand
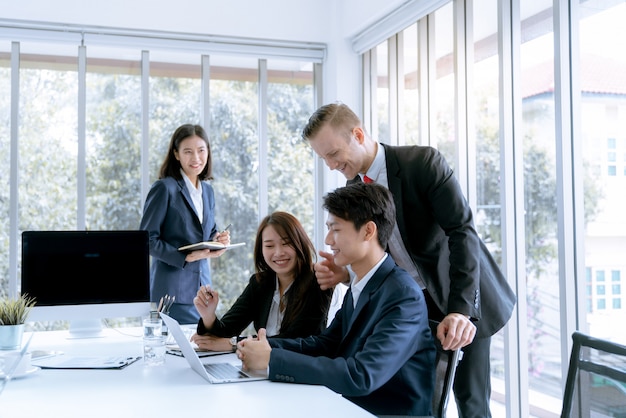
[85, 328]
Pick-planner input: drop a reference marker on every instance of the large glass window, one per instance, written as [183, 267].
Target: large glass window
[58, 176]
[410, 104]
[47, 139]
[5, 162]
[539, 156]
[600, 76]
[382, 97]
[484, 100]
[603, 132]
[286, 118]
[234, 122]
[113, 139]
[443, 97]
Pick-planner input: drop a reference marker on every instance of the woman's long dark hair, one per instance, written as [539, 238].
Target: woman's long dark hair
[290, 229]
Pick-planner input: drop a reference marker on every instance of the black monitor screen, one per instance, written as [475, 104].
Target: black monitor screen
[85, 267]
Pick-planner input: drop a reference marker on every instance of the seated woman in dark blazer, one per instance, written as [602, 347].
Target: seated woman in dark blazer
[282, 296]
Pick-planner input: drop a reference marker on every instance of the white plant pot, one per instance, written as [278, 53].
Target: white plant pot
[11, 336]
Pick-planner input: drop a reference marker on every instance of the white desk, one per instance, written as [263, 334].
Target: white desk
[171, 390]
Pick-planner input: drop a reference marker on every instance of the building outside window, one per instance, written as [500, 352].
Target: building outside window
[462, 115]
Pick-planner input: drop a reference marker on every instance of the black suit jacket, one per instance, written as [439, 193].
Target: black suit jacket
[437, 229]
[254, 304]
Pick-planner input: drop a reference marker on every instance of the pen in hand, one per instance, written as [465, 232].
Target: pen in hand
[217, 234]
[209, 293]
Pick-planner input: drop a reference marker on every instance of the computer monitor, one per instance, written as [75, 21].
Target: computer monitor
[85, 276]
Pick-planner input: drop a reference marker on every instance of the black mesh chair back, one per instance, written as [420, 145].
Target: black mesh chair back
[596, 379]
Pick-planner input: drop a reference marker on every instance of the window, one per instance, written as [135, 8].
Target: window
[539, 146]
[616, 275]
[616, 287]
[293, 168]
[113, 135]
[409, 95]
[5, 161]
[252, 108]
[484, 145]
[380, 129]
[611, 143]
[444, 133]
[533, 135]
[48, 123]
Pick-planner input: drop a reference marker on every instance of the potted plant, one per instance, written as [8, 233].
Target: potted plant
[13, 315]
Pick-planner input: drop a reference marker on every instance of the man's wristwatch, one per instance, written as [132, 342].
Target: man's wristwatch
[233, 343]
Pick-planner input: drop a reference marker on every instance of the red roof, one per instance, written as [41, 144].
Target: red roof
[598, 75]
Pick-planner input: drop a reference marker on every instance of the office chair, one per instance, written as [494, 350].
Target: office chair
[445, 370]
[597, 369]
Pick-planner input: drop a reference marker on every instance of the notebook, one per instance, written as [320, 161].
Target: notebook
[212, 372]
[85, 362]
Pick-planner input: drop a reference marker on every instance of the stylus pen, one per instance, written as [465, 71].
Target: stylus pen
[224, 230]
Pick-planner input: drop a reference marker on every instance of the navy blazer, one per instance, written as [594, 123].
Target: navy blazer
[381, 356]
[254, 304]
[437, 229]
[170, 218]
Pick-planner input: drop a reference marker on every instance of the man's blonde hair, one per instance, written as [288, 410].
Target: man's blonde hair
[337, 115]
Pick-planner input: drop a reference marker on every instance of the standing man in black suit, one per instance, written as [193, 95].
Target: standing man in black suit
[434, 240]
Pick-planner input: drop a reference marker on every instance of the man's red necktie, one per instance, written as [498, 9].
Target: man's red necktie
[367, 180]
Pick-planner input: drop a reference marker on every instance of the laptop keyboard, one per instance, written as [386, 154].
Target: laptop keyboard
[225, 371]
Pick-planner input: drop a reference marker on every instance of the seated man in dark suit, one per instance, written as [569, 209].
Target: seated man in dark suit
[378, 351]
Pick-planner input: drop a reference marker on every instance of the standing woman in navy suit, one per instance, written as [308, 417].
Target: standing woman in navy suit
[180, 210]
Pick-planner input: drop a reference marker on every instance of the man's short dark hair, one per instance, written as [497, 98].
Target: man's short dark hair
[360, 203]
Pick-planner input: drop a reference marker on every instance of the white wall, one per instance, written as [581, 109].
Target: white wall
[300, 20]
[332, 22]
[343, 70]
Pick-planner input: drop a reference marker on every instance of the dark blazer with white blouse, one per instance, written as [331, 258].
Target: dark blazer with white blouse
[170, 218]
[253, 306]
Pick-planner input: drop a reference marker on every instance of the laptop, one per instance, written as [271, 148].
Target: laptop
[213, 372]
